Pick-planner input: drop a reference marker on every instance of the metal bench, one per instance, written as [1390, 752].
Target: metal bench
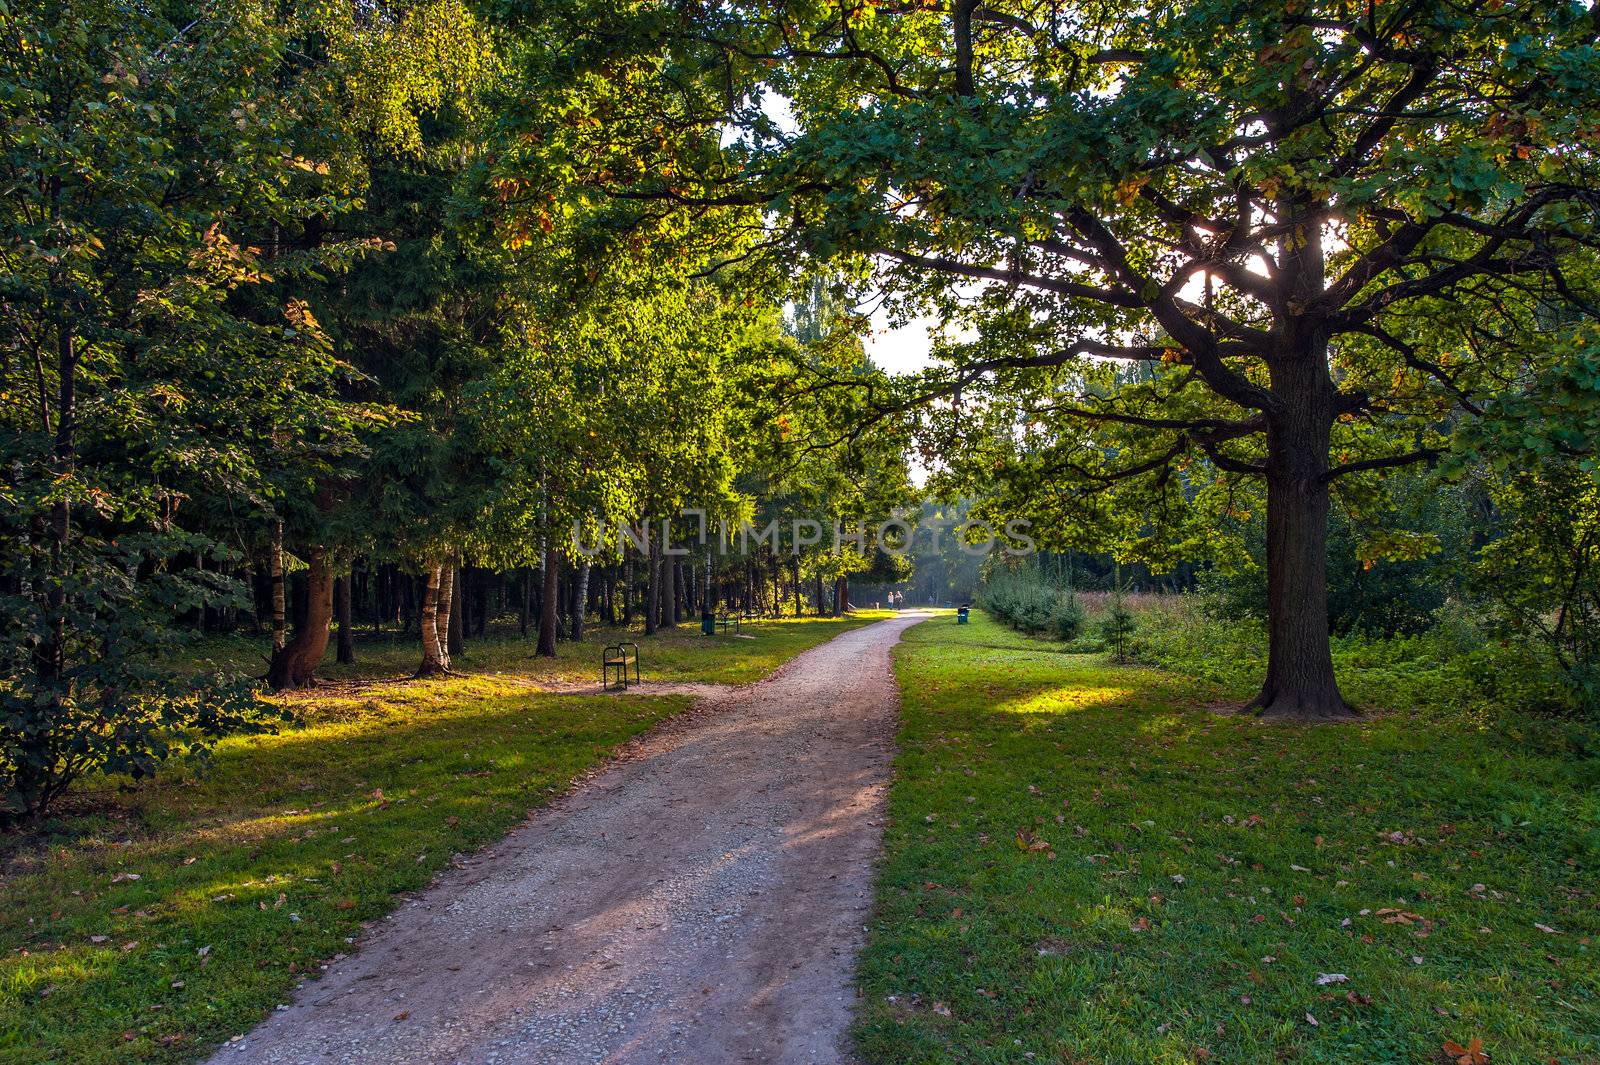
[619, 656]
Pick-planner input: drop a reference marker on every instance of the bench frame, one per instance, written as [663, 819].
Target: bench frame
[617, 656]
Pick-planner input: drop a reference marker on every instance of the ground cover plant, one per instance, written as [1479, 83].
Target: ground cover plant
[1088, 863]
[145, 923]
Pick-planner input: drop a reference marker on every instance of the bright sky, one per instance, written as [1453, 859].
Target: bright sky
[902, 350]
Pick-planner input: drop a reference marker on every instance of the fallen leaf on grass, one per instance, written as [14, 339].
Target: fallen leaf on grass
[1546, 929]
[1027, 841]
[1394, 916]
[1471, 1054]
[1324, 979]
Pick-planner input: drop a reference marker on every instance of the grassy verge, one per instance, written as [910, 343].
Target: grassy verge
[149, 922]
[1085, 864]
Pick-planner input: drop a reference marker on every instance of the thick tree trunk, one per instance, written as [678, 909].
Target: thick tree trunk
[295, 665]
[1300, 683]
[548, 619]
[433, 658]
[341, 605]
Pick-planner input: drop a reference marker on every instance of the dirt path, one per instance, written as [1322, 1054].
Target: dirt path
[700, 902]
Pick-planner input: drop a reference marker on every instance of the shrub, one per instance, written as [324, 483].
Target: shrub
[1118, 627]
[1067, 622]
[1024, 601]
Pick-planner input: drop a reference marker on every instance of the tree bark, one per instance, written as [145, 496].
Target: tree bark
[456, 621]
[275, 577]
[652, 594]
[433, 658]
[346, 654]
[669, 590]
[295, 665]
[580, 600]
[1300, 682]
[446, 605]
[548, 613]
[627, 586]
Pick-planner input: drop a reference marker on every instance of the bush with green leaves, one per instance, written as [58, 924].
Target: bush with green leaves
[1542, 573]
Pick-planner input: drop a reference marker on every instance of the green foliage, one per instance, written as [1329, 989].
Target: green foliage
[1542, 573]
[1118, 627]
[146, 384]
[1388, 570]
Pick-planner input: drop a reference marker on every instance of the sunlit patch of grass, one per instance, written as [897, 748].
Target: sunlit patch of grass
[1064, 700]
[149, 922]
[1133, 878]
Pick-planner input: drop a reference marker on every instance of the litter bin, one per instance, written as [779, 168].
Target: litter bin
[708, 623]
[961, 615]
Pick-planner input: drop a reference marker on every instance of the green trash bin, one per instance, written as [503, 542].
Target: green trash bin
[961, 615]
[708, 623]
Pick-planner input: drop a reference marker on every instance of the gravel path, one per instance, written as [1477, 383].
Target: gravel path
[700, 902]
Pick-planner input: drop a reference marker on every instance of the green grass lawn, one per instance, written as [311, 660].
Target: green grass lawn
[1086, 864]
[149, 922]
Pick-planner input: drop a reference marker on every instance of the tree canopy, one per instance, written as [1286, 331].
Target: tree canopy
[1203, 253]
